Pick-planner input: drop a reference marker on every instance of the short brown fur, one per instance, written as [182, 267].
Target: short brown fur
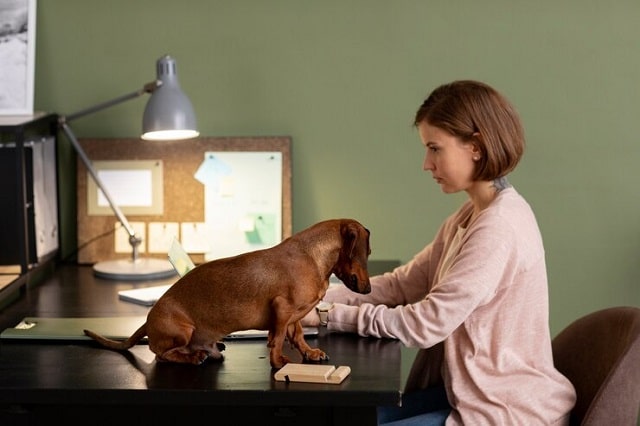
[270, 289]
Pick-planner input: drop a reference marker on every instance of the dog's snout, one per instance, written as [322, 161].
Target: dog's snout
[353, 278]
[362, 286]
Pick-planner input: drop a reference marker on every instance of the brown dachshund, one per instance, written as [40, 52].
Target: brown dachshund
[270, 289]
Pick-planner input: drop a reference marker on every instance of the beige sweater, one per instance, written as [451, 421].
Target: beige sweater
[490, 308]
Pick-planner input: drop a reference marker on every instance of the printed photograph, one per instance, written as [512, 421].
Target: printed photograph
[17, 51]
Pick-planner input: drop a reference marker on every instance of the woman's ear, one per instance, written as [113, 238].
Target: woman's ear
[475, 146]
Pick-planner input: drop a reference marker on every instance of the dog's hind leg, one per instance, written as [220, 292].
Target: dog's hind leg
[185, 355]
[174, 343]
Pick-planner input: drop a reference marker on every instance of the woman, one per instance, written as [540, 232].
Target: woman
[478, 291]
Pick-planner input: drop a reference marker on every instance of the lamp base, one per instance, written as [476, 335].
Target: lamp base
[128, 270]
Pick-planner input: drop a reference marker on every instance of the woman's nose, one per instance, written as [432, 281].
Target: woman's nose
[427, 164]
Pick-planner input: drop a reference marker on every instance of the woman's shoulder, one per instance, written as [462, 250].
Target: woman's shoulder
[508, 210]
[511, 212]
[509, 201]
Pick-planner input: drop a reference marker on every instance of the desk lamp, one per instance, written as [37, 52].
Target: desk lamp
[168, 115]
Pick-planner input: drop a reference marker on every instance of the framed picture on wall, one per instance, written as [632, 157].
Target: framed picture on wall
[17, 56]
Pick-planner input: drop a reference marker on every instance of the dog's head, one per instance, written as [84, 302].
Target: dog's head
[351, 267]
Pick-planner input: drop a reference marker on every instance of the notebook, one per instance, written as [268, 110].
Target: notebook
[143, 296]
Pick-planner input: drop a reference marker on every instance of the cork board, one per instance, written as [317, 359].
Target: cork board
[184, 195]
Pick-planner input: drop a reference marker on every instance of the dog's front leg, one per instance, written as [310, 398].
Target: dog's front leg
[295, 334]
[275, 343]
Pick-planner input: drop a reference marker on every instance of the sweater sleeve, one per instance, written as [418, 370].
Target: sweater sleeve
[408, 283]
[405, 284]
[486, 258]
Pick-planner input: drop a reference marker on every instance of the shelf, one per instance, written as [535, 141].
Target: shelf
[29, 196]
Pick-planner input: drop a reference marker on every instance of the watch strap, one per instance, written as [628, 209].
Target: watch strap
[323, 309]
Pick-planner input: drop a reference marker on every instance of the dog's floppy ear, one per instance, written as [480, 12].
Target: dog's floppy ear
[350, 233]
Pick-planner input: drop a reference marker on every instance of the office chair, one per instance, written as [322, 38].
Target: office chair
[600, 354]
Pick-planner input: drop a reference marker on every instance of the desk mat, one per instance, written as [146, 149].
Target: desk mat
[38, 328]
[118, 328]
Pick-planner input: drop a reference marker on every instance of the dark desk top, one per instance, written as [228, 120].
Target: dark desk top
[78, 372]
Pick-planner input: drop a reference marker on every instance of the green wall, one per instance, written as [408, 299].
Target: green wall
[344, 78]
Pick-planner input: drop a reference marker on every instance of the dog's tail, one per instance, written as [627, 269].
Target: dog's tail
[116, 344]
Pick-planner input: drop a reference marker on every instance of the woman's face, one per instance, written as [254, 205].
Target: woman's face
[448, 158]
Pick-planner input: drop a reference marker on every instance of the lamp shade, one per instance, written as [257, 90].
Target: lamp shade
[169, 114]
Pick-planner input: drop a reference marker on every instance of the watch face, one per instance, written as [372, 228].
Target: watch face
[324, 306]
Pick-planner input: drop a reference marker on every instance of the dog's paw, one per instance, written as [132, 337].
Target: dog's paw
[199, 357]
[213, 359]
[195, 357]
[280, 361]
[315, 355]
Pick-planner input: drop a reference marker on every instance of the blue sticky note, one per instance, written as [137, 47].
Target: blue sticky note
[211, 170]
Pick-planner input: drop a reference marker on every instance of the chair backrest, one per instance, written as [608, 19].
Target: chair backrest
[600, 354]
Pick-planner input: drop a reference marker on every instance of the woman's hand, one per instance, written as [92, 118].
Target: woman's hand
[312, 319]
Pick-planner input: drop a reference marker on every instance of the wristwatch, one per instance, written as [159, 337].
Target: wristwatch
[323, 309]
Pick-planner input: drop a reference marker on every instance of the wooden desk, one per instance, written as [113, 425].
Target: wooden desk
[80, 383]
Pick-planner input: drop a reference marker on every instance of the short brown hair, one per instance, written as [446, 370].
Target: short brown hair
[466, 108]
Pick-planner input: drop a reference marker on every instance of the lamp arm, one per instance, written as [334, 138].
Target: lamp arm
[134, 239]
[76, 145]
[147, 88]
